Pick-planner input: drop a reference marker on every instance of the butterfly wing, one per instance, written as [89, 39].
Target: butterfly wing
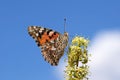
[52, 43]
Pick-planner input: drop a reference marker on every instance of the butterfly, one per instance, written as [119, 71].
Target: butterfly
[51, 43]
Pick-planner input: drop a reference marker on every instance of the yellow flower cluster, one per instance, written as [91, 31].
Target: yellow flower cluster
[80, 41]
[77, 68]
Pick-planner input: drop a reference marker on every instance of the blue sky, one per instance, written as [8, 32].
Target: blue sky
[20, 58]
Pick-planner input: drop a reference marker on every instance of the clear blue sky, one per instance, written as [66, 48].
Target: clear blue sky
[20, 58]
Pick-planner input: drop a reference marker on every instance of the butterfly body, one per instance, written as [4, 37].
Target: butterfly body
[51, 42]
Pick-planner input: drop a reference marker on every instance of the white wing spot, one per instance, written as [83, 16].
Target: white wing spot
[41, 29]
[53, 48]
[37, 34]
[50, 34]
[52, 41]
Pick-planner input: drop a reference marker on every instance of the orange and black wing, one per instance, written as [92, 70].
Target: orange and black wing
[48, 41]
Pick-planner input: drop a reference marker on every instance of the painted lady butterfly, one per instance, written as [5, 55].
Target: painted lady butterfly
[52, 43]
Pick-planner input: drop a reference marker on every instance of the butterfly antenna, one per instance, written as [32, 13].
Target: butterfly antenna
[64, 24]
